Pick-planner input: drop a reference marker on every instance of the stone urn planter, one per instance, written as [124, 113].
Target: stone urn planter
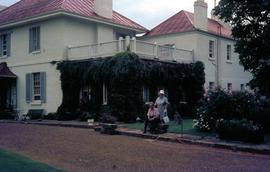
[107, 128]
[108, 125]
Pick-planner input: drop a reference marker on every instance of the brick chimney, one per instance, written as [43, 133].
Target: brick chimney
[104, 8]
[200, 15]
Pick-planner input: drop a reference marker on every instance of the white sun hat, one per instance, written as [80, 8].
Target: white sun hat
[161, 92]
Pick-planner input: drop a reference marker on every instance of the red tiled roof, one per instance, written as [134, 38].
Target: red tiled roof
[183, 22]
[31, 8]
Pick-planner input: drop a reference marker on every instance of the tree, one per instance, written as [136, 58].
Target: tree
[250, 20]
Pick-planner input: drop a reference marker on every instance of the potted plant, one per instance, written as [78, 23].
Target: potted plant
[108, 124]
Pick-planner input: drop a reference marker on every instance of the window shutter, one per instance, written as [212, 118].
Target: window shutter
[8, 44]
[28, 90]
[38, 38]
[43, 87]
[30, 40]
[1, 46]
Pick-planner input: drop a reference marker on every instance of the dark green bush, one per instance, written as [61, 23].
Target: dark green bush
[238, 105]
[108, 118]
[50, 116]
[6, 115]
[239, 130]
[125, 75]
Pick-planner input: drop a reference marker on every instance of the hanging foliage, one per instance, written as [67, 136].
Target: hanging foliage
[125, 75]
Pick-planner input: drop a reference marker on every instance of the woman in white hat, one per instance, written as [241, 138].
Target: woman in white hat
[161, 104]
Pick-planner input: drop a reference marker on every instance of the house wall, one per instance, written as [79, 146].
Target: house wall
[22, 62]
[229, 72]
[55, 36]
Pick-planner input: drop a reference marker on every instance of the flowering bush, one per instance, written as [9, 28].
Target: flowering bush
[219, 104]
[205, 121]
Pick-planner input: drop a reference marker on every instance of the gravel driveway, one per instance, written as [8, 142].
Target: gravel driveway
[79, 150]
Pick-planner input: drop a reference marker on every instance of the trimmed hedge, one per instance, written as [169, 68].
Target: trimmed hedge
[125, 75]
[240, 130]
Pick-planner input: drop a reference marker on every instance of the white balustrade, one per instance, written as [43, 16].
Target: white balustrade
[142, 48]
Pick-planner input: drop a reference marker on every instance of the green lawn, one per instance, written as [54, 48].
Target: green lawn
[12, 162]
[173, 127]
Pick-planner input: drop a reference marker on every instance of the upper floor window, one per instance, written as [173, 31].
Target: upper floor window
[34, 39]
[211, 49]
[4, 45]
[229, 52]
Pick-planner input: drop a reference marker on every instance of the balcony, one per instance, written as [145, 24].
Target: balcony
[142, 49]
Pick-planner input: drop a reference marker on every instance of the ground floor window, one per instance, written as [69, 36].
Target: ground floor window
[229, 87]
[211, 86]
[146, 94]
[105, 94]
[36, 86]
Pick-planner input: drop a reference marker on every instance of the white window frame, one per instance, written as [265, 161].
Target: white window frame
[36, 87]
[211, 47]
[104, 94]
[4, 44]
[229, 53]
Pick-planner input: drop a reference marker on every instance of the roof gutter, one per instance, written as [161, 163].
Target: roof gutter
[64, 13]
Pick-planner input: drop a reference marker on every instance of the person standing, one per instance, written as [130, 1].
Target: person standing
[162, 103]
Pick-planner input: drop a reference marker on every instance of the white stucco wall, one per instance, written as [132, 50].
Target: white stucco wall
[55, 36]
[199, 42]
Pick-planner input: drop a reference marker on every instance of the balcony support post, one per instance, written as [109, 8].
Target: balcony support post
[127, 43]
[134, 44]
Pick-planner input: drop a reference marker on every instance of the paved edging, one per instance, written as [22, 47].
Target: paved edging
[49, 124]
[198, 142]
[227, 146]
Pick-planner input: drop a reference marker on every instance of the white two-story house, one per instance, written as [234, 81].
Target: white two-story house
[36, 34]
[211, 42]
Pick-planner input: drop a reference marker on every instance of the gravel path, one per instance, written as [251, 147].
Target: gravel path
[85, 150]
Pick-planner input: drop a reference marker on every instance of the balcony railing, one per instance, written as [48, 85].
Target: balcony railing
[143, 49]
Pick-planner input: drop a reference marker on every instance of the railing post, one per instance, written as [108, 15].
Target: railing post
[120, 47]
[66, 56]
[193, 56]
[174, 53]
[127, 43]
[134, 44]
[156, 51]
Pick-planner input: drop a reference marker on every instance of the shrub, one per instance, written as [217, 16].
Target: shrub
[108, 118]
[239, 130]
[238, 105]
[6, 115]
[50, 116]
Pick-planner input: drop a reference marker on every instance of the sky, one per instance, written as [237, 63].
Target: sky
[148, 13]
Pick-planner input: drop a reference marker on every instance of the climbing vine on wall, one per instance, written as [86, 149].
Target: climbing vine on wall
[125, 75]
